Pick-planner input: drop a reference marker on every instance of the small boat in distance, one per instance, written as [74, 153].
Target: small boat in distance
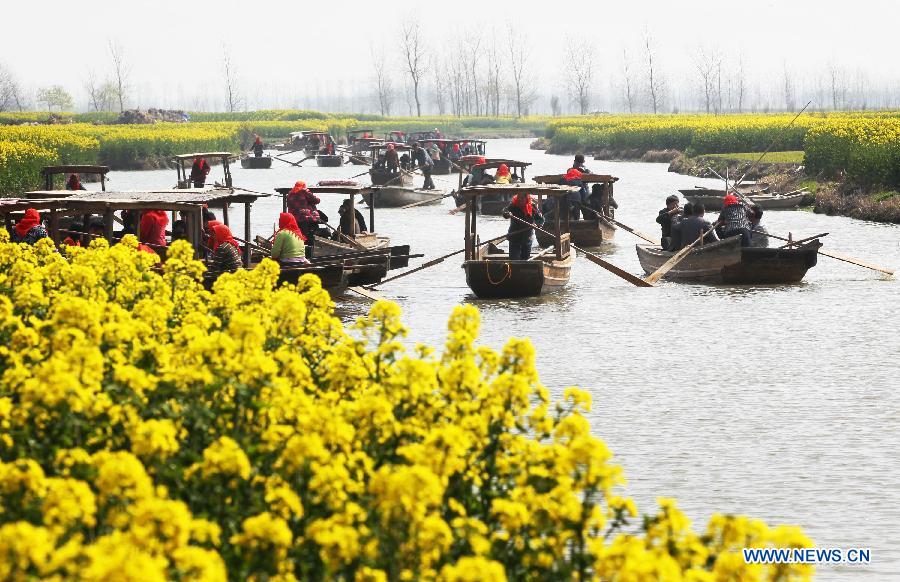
[712, 199]
[256, 163]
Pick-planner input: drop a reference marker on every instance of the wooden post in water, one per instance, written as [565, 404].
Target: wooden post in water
[108, 221]
[247, 234]
[224, 214]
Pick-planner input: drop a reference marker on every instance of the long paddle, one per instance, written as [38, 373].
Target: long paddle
[633, 231]
[676, 258]
[636, 281]
[844, 258]
[440, 260]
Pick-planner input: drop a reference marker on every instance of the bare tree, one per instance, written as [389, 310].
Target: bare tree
[838, 86]
[440, 93]
[554, 106]
[101, 93]
[706, 63]
[10, 93]
[629, 83]
[384, 85]
[523, 84]
[741, 88]
[494, 88]
[789, 90]
[415, 55]
[120, 72]
[232, 94]
[580, 73]
[655, 84]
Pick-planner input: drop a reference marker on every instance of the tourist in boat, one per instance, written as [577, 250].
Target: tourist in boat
[577, 198]
[734, 220]
[258, 147]
[226, 255]
[29, 229]
[289, 246]
[344, 225]
[421, 159]
[477, 176]
[74, 183]
[675, 241]
[664, 219]
[523, 208]
[455, 154]
[692, 225]
[502, 176]
[578, 164]
[392, 159]
[435, 152]
[74, 235]
[301, 203]
[595, 202]
[179, 230]
[153, 228]
[199, 171]
[759, 236]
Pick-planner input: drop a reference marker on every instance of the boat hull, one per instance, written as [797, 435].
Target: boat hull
[330, 161]
[584, 233]
[764, 201]
[495, 278]
[254, 163]
[725, 262]
[441, 167]
[384, 178]
[391, 197]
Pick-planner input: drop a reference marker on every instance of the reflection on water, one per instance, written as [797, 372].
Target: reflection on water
[776, 402]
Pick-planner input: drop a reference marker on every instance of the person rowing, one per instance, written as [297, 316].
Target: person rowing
[734, 219]
[257, 147]
[523, 208]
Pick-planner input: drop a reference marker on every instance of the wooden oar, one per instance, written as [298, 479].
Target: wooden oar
[799, 242]
[634, 280]
[676, 258]
[421, 202]
[633, 231]
[844, 258]
[440, 260]
[345, 237]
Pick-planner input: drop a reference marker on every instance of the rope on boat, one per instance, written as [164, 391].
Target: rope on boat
[487, 271]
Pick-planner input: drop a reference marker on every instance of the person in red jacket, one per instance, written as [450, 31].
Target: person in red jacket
[153, 228]
[74, 183]
[301, 203]
[199, 172]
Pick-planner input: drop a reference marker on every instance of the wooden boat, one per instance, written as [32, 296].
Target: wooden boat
[444, 165]
[48, 172]
[381, 176]
[490, 205]
[359, 144]
[367, 240]
[256, 163]
[727, 262]
[586, 232]
[395, 197]
[329, 160]
[492, 275]
[765, 201]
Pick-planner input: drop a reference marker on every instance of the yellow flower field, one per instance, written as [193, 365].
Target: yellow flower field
[151, 430]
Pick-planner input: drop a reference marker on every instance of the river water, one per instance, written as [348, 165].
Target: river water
[776, 402]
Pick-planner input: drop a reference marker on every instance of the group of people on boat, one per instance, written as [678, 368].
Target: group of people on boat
[682, 226]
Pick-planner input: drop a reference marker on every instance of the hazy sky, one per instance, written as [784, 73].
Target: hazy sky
[285, 49]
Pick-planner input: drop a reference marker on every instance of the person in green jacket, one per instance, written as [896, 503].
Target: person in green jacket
[289, 246]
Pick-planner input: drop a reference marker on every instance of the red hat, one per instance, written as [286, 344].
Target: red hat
[729, 200]
[481, 161]
[573, 174]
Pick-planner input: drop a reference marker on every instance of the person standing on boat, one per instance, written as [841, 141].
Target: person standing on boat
[153, 228]
[226, 255]
[301, 203]
[74, 183]
[29, 229]
[664, 219]
[257, 147]
[759, 236]
[577, 198]
[421, 159]
[595, 202]
[578, 164]
[199, 171]
[392, 159]
[523, 208]
[733, 219]
[289, 246]
[693, 225]
[455, 154]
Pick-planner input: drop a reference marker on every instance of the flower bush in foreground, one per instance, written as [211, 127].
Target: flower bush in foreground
[152, 430]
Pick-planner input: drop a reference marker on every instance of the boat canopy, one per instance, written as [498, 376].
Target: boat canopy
[586, 178]
[532, 188]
